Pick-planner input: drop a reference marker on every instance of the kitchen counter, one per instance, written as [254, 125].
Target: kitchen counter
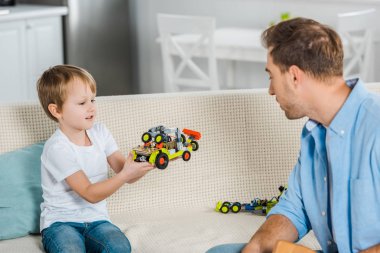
[24, 11]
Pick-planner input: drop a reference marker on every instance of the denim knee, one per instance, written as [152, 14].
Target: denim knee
[104, 236]
[60, 237]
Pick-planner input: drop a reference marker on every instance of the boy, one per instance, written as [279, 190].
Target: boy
[74, 180]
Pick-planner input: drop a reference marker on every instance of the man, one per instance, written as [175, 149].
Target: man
[334, 188]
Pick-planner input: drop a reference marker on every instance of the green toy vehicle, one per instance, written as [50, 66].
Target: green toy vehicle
[163, 144]
[256, 206]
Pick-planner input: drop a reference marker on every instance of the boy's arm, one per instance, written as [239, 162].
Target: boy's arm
[93, 193]
[276, 227]
[116, 160]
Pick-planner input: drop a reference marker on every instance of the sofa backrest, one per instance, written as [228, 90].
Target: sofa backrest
[247, 149]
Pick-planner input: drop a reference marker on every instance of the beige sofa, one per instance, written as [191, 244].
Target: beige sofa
[247, 150]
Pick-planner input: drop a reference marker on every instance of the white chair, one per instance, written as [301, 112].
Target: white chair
[187, 37]
[356, 29]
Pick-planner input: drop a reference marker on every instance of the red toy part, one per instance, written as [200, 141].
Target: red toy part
[195, 134]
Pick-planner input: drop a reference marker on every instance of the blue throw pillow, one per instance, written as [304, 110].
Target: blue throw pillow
[20, 191]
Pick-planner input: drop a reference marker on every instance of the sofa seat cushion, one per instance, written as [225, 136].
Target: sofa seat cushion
[30, 244]
[190, 230]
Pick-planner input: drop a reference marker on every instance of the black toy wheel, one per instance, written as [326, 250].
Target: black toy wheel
[162, 161]
[146, 137]
[186, 155]
[183, 138]
[194, 145]
[158, 138]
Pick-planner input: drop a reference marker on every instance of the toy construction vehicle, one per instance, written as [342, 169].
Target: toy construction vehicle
[256, 206]
[162, 144]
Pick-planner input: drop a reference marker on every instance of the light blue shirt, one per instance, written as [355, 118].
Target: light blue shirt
[352, 144]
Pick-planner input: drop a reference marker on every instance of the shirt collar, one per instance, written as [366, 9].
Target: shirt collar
[343, 120]
[347, 113]
[310, 124]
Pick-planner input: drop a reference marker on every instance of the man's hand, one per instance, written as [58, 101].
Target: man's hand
[133, 171]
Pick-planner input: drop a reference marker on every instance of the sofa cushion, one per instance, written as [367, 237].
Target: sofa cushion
[182, 230]
[21, 193]
[195, 229]
[30, 244]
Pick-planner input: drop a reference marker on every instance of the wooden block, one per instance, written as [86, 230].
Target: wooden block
[288, 247]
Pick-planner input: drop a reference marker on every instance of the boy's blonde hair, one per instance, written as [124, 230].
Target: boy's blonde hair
[53, 85]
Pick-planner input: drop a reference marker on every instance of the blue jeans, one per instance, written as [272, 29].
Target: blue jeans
[98, 236]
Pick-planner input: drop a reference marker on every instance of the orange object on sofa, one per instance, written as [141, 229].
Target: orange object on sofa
[288, 247]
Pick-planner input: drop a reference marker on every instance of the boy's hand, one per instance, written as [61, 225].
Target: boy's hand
[133, 171]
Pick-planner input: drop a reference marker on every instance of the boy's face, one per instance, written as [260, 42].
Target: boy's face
[78, 111]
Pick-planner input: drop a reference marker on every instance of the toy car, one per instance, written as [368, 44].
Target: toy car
[256, 206]
[162, 144]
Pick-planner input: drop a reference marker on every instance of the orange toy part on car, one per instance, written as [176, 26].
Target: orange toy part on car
[195, 134]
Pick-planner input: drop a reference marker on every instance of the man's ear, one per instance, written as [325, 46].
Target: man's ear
[296, 75]
[53, 109]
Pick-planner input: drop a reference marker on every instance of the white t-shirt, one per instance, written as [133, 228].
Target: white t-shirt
[62, 158]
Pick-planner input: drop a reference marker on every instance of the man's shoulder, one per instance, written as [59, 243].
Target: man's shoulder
[366, 126]
[370, 107]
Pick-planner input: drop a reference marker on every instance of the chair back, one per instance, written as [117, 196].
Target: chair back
[187, 37]
[356, 29]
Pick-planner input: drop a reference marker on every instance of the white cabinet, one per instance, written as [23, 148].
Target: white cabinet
[27, 47]
[44, 49]
[12, 61]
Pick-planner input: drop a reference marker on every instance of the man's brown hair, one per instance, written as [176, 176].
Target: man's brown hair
[313, 47]
[53, 85]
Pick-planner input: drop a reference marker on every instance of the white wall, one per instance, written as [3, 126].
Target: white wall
[243, 13]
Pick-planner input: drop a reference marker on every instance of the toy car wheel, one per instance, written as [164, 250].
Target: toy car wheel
[183, 138]
[194, 145]
[224, 209]
[162, 161]
[186, 156]
[236, 207]
[158, 138]
[218, 206]
[146, 137]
